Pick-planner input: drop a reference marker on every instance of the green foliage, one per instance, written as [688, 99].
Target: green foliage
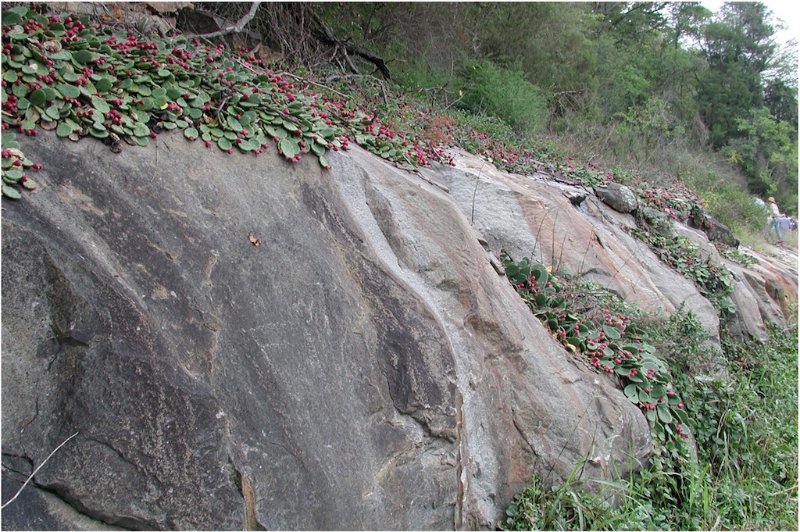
[646, 502]
[112, 86]
[680, 203]
[683, 255]
[746, 432]
[14, 165]
[553, 43]
[675, 200]
[610, 343]
[415, 75]
[767, 153]
[495, 128]
[647, 127]
[729, 203]
[746, 428]
[738, 47]
[506, 94]
[588, 174]
[567, 506]
[734, 255]
[81, 80]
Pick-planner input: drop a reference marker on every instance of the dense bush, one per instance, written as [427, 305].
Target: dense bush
[506, 94]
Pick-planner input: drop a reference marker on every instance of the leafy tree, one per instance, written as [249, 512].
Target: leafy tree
[687, 21]
[551, 42]
[738, 47]
[630, 21]
[780, 90]
[767, 152]
[781, 100]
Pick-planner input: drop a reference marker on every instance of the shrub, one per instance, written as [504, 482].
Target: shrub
[506, 94]
[730, 204]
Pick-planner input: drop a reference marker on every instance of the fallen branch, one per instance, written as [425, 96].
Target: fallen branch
[350, 62]
[448, 106]
[236, 28]
[326, 35]
[378, 61]
[12, 499]
[369, 77]
[320, 85]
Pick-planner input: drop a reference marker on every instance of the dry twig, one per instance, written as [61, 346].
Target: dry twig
[369, 77]
[12, 499]
[320, 85]
[474, 192]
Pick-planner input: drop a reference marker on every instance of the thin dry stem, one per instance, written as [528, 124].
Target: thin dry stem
[12, 499]
[475, 191]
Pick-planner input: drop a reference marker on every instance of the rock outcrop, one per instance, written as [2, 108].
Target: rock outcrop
[715, 230]
[363, 366]
[534, 216]
[530, 216]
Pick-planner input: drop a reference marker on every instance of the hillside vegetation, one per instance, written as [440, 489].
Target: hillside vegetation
[646, 91]
[666, 90]
[695, 111]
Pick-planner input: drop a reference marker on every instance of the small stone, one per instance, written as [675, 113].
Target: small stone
[496, 264]
[618, 197]
[575, 197]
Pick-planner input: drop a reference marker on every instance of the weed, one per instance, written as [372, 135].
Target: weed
[684, 256]
[745, 476]
[734, 255]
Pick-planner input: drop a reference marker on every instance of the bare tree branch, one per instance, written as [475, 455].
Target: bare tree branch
[326, 36]
[236, 28]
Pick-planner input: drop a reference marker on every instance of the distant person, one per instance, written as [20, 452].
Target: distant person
[786, 223]
[758, 201]
[777, 221]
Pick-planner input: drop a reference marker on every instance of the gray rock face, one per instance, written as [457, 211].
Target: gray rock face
[759, 293]
[618, 197]
[748, 320]
[364, 367]
[533, 218]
